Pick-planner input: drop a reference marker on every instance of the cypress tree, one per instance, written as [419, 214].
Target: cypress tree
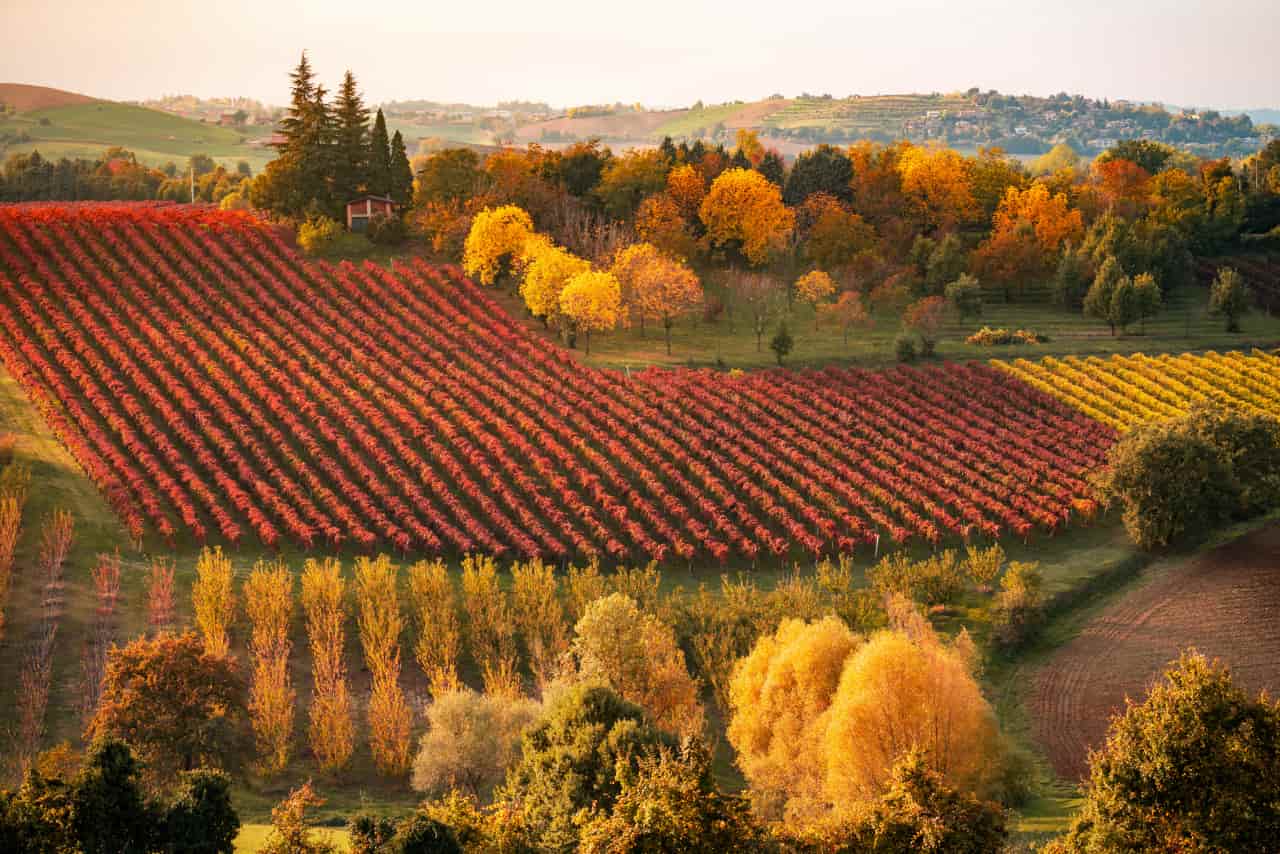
[303, 91]
[380, 157]
[351, 151]
[297, 181]
[401, 172]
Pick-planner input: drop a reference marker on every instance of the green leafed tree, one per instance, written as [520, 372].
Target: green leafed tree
[1191, 768]
[380, 157]
[351, 154]
[1230, 298]
[401, 172]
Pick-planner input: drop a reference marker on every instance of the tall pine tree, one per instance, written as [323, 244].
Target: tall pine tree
[297, 182]
[401, 172]
[380, 158]
[351, 149]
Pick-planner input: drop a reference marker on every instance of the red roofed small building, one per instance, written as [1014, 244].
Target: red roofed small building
[361, 210]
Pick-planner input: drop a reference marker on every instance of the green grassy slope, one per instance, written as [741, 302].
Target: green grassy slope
[84, 130]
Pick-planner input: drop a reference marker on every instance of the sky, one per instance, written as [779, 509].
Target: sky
[1204, 53]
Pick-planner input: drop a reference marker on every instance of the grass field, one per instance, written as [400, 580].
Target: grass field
[85, 130]
[730, 342]
[688, 123]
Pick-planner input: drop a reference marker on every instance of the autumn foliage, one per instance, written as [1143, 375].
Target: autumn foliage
[268, 601]
[331, 732]
[213, 596]
[389, 715]
[744, 210]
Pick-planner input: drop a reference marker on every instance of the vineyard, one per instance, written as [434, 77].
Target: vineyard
[1125, 391]
[217, 386]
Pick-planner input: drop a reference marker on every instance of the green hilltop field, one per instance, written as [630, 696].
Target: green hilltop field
[85, 128]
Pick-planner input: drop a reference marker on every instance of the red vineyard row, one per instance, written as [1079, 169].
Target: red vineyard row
[212, 381]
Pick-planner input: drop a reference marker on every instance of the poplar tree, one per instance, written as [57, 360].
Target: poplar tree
[379, 158]
[351, 154]
[401, 172]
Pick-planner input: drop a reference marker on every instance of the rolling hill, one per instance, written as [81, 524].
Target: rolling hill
[66, 124]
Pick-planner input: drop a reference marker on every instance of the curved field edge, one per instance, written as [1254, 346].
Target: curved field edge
[1012, 679]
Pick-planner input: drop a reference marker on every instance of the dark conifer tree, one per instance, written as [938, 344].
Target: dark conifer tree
[772, 167]
[351, 150]
[380, 157]
[401, 172]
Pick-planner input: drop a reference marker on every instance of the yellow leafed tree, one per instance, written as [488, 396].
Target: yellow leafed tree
[779, 695]
[745, 209]
[938, 186]
[213, 596]
[547, 269]
[332, 732]
[268, 600]
[655, 285]
[390, 717]
[539, 615]
[490, 628]
[815, 287]
[687, 188]
[592, 302]
[497, 236]
[435, 616]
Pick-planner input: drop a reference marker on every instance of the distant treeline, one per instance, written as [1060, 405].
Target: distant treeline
[117, 175]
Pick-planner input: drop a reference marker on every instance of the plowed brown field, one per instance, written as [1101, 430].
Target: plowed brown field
[1225, 603]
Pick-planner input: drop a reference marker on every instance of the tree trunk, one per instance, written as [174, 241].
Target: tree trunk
[667, 325]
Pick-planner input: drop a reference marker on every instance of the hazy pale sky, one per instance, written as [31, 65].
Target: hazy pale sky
[1220, 53]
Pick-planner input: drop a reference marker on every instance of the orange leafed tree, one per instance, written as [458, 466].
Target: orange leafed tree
[390, 717]
[268, 601]
[160, 595]
[661, 222]
[332, 733]
[687, 187]
[847, 312]
[744, 209]
[10, 529]
[1124, 186]
[655, 285]
[1049, 214]
[214, 598]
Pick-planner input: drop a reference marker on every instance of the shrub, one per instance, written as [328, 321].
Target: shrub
[318, 234]
[965, 296]
[1230, 298]
[782, 343]
[1191, 768]
[936, 580]
[470, 742]
[904, 347]
[1016, 615]
[387, 229]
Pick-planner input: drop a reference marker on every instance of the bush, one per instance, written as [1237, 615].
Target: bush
[965, 296]
[781, 343]
[988, 337]
[1016, 614]
[1176, 480]
[936, 580]
[318, 234]
[904, 347]
[387, 229]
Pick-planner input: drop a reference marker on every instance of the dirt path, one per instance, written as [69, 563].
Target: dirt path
[1226, 603]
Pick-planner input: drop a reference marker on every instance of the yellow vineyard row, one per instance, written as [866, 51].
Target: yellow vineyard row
[1125, 391]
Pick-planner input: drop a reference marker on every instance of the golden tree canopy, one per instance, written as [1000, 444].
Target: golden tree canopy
[745, 207]
[547, 269]
[815, 287]
[1050, 215]
[497, 235]
[901, 693]
[779, 695]
[938, 186]
[687, 188]
[660, 222]
[592, 301]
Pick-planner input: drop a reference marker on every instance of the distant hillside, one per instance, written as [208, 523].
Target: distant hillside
[1024, 125]
[63, 124]
[23, 98]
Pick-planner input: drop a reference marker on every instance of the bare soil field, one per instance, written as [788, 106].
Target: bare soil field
[24, 98]
[1225, 603]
